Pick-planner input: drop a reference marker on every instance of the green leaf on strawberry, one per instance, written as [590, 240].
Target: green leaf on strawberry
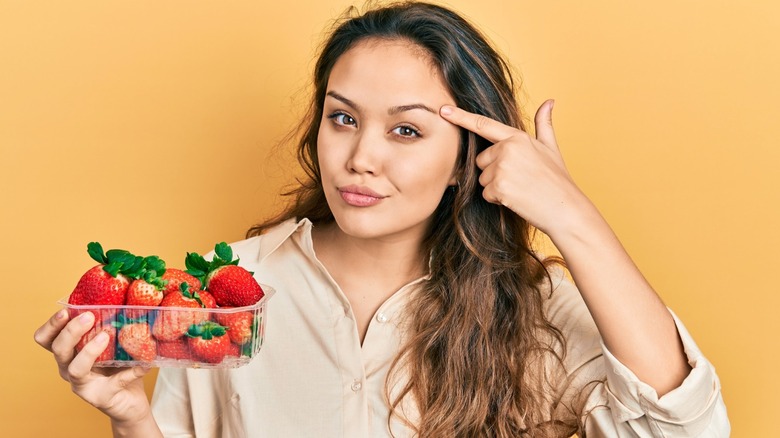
[206, 330]
[120, 255]
[95, 251]
[154, 263]
[200, 268]
[195, 262]
[113, 268]
[224, 252]
[247, 350]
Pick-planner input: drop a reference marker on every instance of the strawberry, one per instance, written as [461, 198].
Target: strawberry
[98, 287]
[234, 350]
[178, 349]
[147, 288]
[231, 285]
[239, 325]
[175, 277]
[234, 286]
[136, 339]
[107, 283]
[173, 323]
[208, 342]
[108, 353]
[142, 293]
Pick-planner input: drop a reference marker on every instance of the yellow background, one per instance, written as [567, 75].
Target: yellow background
[152, 126]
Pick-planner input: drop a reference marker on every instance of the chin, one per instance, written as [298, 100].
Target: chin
[360, 227]
[371, 226]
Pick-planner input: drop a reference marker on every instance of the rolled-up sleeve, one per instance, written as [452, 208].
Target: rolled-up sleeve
[610, 400]
[693, 409]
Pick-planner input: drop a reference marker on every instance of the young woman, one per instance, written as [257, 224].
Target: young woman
[409, 300]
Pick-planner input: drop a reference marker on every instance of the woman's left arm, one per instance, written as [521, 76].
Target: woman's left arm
[528, 176]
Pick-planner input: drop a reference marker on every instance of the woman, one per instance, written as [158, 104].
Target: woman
[409, 301]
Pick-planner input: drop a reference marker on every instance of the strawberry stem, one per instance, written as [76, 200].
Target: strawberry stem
[200, 268]
[119, 261]
[206, 330]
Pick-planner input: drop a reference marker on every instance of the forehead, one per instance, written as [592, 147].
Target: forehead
[392, 66]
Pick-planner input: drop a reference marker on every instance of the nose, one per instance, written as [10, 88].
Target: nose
[365, 156]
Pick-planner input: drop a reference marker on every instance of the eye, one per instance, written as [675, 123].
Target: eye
[406, 131]
[343, 119]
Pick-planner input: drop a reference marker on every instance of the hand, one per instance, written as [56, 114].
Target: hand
[117, 392]
[525, 174]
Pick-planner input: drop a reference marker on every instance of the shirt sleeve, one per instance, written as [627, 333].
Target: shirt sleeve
[694, 409]
[611, 401]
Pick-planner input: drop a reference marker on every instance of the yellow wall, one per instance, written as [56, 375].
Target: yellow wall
[150, 125]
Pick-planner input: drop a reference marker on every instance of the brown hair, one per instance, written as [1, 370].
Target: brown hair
[478, 340]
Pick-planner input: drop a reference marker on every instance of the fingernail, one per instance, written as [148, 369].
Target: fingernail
[446, 110]
[86, 318]
[552, 104]
[61, 314]
[102, 337]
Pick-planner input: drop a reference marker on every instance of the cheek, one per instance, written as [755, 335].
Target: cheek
[325, 150]
[429, 175]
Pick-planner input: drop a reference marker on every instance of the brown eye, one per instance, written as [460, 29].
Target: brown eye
[343, 119]
[406, 131]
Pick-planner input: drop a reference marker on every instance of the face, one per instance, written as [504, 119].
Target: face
[385, 155]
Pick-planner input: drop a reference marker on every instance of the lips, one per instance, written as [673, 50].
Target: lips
[358, 196]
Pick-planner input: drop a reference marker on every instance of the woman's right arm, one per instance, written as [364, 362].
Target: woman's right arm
[118, 393]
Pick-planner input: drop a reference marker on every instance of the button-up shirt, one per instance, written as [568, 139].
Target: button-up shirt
[314, 378]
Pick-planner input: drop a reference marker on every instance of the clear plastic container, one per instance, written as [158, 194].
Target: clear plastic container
[158, 336]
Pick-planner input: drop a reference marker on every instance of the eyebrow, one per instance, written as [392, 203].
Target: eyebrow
[392, 111]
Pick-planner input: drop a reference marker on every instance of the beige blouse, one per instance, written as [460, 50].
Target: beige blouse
[312, 377]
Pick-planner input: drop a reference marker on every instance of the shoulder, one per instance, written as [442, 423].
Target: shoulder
[254, 249]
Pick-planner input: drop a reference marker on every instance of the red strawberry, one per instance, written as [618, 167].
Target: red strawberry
[234, 286]
[208, 342]
[172, 324]
[108, 353]
[234, 350]
[175, 277]
[98, 287]
[239, 325]
[106, 284]
[142, 293]
[231, 285]
[178, 349]
[136, 339]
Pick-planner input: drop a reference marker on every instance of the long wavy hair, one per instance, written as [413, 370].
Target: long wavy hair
[477, 340]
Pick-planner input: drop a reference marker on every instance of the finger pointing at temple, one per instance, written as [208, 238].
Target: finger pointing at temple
[487, 128]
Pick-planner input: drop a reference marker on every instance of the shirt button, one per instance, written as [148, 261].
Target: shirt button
[381, 317]
[356, 385]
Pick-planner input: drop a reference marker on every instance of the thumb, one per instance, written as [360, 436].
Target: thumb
[543, 124]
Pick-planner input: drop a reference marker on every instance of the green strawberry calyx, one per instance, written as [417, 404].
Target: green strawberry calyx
[119, 261]
[206, 330]
[200, 268]
[123, 320]
[191, 294]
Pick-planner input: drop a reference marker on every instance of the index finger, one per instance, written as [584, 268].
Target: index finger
[487, 128]
[46, 333]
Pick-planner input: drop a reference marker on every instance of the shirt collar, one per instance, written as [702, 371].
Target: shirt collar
[278, 234]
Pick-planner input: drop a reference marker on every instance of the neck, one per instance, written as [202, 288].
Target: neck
[368, 271]
[391, 261]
